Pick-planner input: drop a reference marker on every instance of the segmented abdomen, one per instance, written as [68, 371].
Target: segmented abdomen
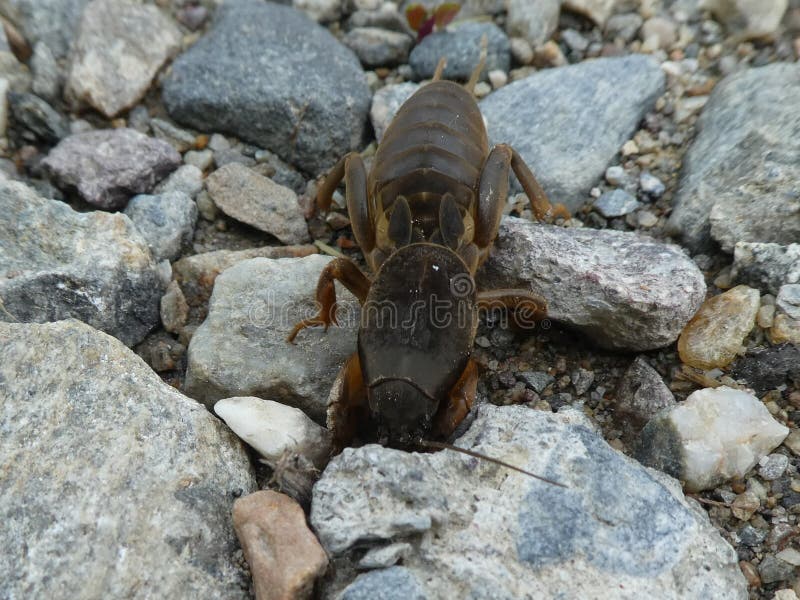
[436, 144]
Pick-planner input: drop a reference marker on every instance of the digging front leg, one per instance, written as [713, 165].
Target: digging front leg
[459, 402]
[527, 308]
[348, 408]
[345, 271]
[542, 209]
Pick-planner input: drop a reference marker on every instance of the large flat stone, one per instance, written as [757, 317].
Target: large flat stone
[568, 123]
[622, 290]
[739, 178]
[479, 530]
[114, 485]
[241, 348]
[57, 263]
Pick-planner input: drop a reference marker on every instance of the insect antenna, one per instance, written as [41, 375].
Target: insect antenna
[443, 446]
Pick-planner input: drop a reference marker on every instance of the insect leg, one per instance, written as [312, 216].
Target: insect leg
[348, 408]
[344, 270]
[351, 169]
[527, 308]
[542, 209]
[459, 401]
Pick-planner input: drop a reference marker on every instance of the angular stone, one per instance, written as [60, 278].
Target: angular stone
[241, 348]
[641, 395]
[738, 183]
[174, 309]
[273, 429]
[715, 435]
[378, 47]
[748, 18]
[53, 22]
[785, 329]
[285, 557]
[178, 138]
[788, 300]
[119, 48]
[394, 583]
[533, 21]
[246, 196]
[36, 119]
[58, 263]
[479, 530]
[165, 221]
[621, 290]
[597, 10]
[109, 166]
[616, 203]
[223, 84]
[387, 556]
[603, 100]
[461, 45]
[765, 369]
[101, 457]
[715, 334]
[187, 179]
[766, 266]
[46, 74]
[196, 274]
[385, 104]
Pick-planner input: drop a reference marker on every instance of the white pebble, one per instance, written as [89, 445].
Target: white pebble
[272, 428]
[498, 78]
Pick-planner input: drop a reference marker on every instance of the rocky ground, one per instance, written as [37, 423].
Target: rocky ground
[158, 166]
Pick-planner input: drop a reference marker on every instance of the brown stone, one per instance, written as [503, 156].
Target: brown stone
[715, 334]
[285, 557]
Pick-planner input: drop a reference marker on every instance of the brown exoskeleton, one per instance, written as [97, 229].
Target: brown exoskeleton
[425, 217]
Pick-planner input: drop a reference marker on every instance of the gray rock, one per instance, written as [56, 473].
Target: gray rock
[460, 44]
[385, 104]
[788, 299]
[624, 26]
[174, 308]
[766, 266]
[597, 10]
[386, 17]
[621, 290]
[196, 274]
[36, 119]
[534, 21]
[246, 196]
[479, 530]
[178, 138]
[241, 349]
[651, 185]
[201, 159]
[602, 100]
[101, 457]
[165, 221]
[616, 203]
[378, 47]
[765, 369]
[641, 395]
[773, 466]
[53, 22]
[394, 583]
[17, 74]
[537, 380]
[739, 183]
[108, 166]
[222, 84]
[187, 179]
[58, 263]
[46, 73]
[385, 556]
[273, 167]
[772, 569]
[746, 18]
[119, 48]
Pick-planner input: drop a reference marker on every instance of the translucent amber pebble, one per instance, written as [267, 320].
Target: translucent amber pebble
[715, 334]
